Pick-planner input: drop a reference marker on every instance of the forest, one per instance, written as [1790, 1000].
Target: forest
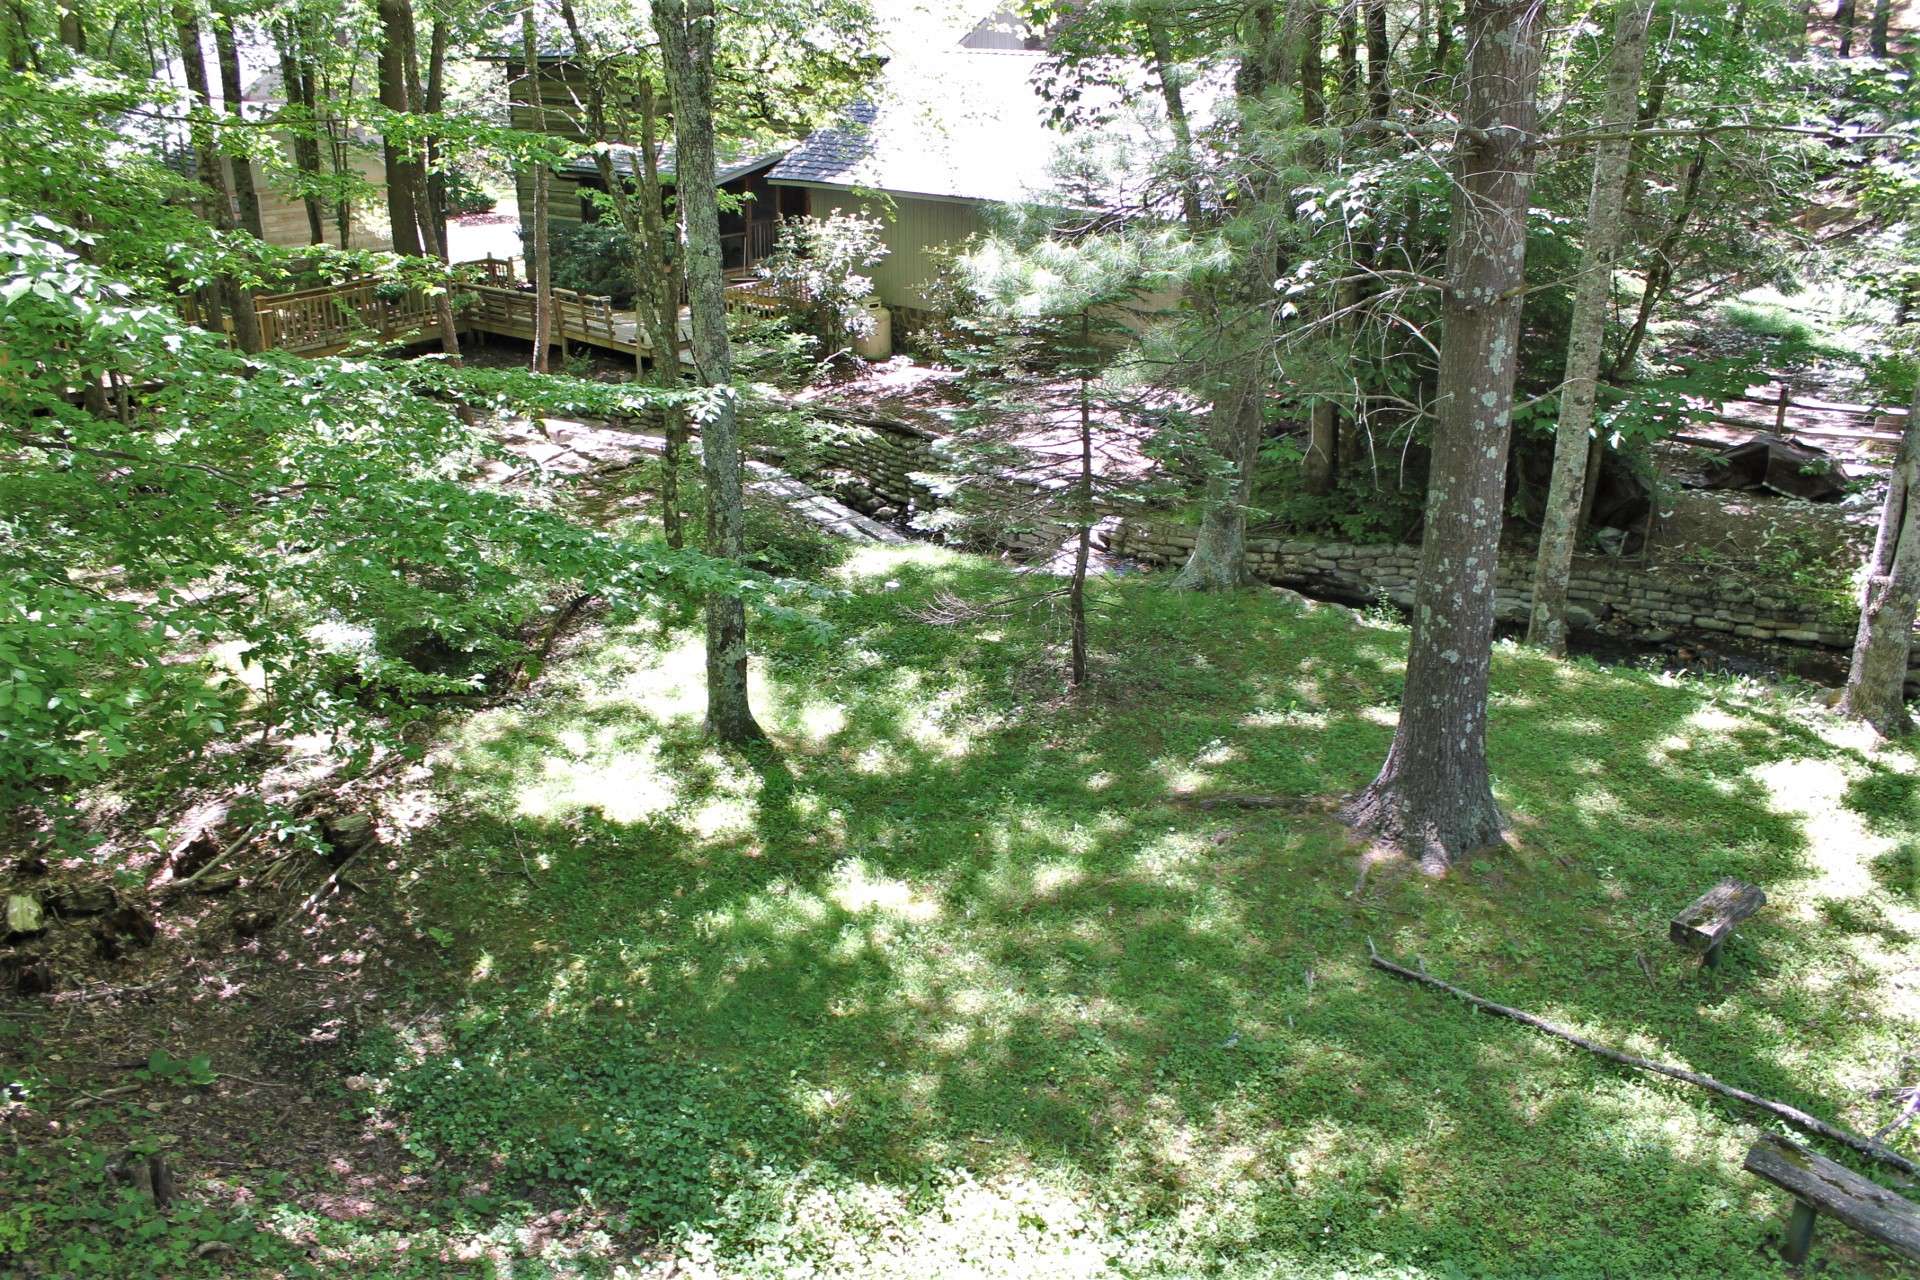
[959, 638]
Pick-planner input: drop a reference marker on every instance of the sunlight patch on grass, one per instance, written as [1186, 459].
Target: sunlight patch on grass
[858, 889]
[880, 760]
[1840, 849]
[879, 559]
[1291, 718]
[1173, 858]
[622, 785]
[1635, 1118]
[818, 720]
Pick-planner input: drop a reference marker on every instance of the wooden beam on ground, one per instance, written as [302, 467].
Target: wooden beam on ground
[1707, 922]
[1823, 1187]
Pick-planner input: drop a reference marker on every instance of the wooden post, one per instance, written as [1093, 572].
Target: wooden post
[1780, 413]
[1799, 1242]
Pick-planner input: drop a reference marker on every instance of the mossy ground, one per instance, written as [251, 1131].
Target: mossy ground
[960, 980]
[961, 977]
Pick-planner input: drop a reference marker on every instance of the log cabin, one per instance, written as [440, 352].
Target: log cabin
[954, 126]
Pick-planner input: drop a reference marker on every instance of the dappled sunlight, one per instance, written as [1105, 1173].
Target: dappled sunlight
[1840, 849]
[882, 559]
[622, 785]
[958, 930]
[857, 890]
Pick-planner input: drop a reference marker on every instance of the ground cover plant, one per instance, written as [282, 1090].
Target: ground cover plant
[971, 981]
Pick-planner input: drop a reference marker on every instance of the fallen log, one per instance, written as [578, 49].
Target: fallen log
[1792, 1115]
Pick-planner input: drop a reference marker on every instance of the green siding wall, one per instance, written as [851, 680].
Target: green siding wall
[916, 231]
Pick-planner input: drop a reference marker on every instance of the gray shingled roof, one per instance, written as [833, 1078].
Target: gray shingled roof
[958, 123]
[626, 160]
[830, 153]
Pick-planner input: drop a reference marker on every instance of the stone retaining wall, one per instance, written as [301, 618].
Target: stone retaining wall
[1649, 601]
[871, 471]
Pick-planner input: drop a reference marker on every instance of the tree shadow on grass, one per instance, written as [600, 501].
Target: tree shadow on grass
[954, 926]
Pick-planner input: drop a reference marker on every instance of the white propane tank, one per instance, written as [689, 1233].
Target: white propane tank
[877, 345]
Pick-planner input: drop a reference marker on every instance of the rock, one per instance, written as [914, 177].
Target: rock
[83, 900]
[24, 916]
[27, 975]
[195, 854]
[1510, 610]
[146, 1174]
[133, 924]
[249, 924]
[347, 835]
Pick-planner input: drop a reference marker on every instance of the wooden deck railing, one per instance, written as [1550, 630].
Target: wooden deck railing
[755, 300]
[332, 317]
[338, 315]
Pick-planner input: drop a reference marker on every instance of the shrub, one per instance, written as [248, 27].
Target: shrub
[588, 257]
[820, 265]
[466, 195]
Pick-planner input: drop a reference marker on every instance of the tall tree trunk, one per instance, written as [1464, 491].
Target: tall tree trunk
[1605, 203]
[639, 201]
[1321, 464]
[339, 155]
[1442, 37]
[686, 31]
[1433, 796]
[213, 172]
[73, 29]
[404, 176]
[1239, 313]
[1084, 518]
[1349, 59]
[435, 103]
[297, 80]
[246, 194]
[1160, 51]
[542, 262]
[1843, 19]
[664, 291]
[1876, 683]
[1877, 32]
[433, 228]
[1379, 87]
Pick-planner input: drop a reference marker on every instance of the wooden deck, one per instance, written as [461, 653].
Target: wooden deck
[367, 312]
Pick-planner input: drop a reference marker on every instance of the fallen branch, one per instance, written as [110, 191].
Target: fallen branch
[551, 633]
[1237, 800]
[1792, 1115]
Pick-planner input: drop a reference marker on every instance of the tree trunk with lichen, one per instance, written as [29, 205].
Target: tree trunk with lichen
[541, 262]
[1606, 200]
[1434, 797]
[1876, 683]
[686, 31]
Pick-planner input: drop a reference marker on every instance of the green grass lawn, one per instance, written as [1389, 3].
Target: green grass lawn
[960, 981]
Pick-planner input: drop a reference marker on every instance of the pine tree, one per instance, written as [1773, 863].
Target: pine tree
[1433, 796]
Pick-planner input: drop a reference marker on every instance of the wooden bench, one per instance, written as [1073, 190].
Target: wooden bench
[1708, 922]
[1818, 1186]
